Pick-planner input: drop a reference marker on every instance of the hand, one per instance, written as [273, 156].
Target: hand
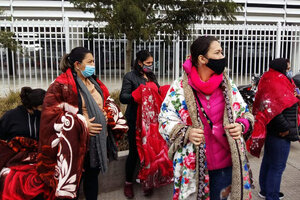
[94, 128]
[285, 133]
[196, 136]
[235, 130]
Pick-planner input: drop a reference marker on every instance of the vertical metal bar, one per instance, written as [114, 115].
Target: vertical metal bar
[264, 53]
[77, 35]
[109, 57]
[273, 46]
[99, 55]
[29, 53]
[51, 52]
[115, 61]
[2, 65]
[159, 57]
[278, 40]
[229, 48]
[67, 34]
[34, 55]
[242, 58]
[104, 56]
[269, 44]
[18, 57]
[247, 56]
[177, 58]
[46, 53]
[125, 52]
[24, 51]
[260, 52]
[255, 51]
[40, 54]
[238, 57]
[56, 51]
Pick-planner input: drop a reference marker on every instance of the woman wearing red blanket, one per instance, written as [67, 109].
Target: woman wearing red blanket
[276, 125]
[144, 96]
[72, 118]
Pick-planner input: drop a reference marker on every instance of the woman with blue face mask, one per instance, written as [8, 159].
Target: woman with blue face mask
[74, 119]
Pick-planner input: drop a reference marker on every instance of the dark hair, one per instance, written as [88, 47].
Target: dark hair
[142, 56]
[32, 97]
[68, 60]
[200, 47]
[279, 64]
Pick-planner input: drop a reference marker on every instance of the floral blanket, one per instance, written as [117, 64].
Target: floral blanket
[178, 115]
[18, 171]
[156, 167]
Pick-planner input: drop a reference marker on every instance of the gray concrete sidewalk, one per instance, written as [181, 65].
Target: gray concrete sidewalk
[290, 184]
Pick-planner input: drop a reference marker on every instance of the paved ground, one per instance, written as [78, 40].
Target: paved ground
[290, 184]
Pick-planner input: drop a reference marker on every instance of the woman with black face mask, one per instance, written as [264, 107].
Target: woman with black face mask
[203, 119]
[24, 120]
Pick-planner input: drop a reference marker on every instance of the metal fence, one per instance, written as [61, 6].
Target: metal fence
[248, 48]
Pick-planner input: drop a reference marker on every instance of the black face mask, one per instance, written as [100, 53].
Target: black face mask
[217, 65]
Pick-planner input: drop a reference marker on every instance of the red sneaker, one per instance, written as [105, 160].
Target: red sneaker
[128, 190]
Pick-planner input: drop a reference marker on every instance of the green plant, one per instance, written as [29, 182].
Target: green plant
[9, 102]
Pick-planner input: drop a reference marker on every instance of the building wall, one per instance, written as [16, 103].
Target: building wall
[254, 11]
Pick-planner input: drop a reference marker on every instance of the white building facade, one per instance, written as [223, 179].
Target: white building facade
[253, 12]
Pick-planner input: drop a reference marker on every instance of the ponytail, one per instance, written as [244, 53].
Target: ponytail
[64, 63]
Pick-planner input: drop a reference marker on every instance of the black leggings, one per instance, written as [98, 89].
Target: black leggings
[90, 180]
[133, 156]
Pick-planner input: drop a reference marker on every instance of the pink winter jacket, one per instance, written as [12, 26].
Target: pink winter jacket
[217, 147]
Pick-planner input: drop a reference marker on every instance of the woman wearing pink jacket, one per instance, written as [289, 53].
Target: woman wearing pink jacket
[203, 119]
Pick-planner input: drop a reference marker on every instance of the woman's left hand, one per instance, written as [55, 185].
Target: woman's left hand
[235, 130]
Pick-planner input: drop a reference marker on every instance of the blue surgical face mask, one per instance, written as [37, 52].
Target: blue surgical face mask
[88, 71]
[289, 74]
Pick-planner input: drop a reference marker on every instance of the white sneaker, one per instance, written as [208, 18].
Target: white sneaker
[281, 195]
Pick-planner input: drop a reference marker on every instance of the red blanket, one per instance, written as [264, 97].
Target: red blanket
[19, 179]
[156, 168]
[275, 93]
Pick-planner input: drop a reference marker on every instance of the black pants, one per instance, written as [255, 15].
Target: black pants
[90, 180]
[133, 156]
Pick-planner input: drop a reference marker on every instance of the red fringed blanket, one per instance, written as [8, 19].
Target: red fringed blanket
[156, 168]
[275, 93]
